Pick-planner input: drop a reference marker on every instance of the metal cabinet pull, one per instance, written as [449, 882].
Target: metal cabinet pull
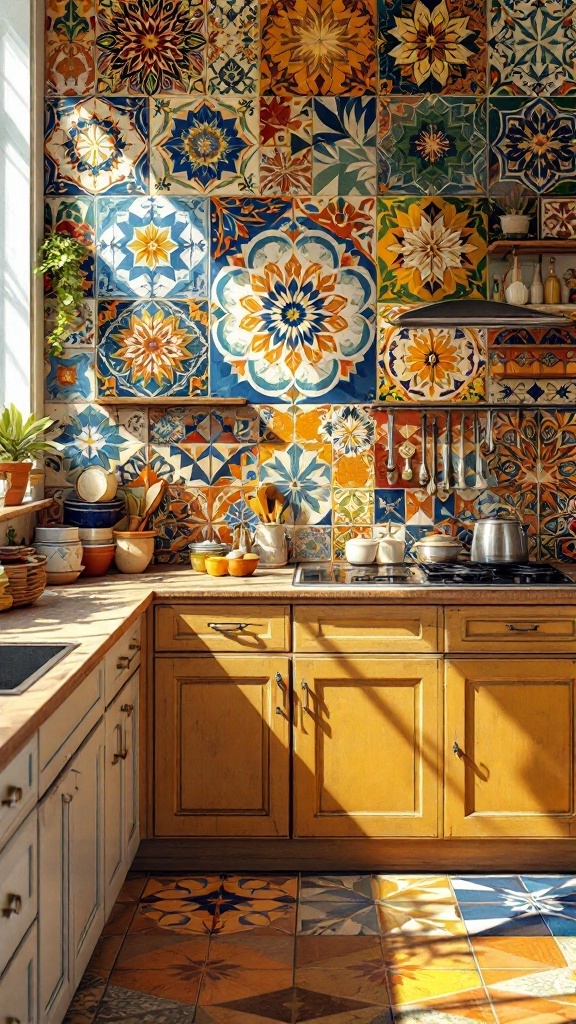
[120, 756]
[14, 905]
[123, 662]
[281, 683]
[127, 709]
[134, 646]
[14, 797]
[306, 691]
[523, 629]
[457, 750]
[229, 627]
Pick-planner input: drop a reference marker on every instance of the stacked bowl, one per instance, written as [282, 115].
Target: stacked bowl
[63, 551]
[97, 549]
[95, 504]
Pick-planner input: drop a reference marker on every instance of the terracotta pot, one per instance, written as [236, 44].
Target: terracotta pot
[17, 474]
[134, 549]
[97, 560]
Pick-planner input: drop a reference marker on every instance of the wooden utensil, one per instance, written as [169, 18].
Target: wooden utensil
[423, 475]
[262, 500]
[152, 501]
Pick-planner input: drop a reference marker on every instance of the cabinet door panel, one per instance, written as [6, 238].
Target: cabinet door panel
[86, 850]
[366, 747]
[510, 748]
[55, 964]
[18, 1002]
[129, 711]
[221, 747]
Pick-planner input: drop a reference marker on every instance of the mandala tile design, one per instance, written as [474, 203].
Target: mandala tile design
[558, 218]
[205, 145]
[303, 474]
[96, 146]
[318, 47]
[292, 302]
[70, 377]
[286, 146]
[431, 249]
[558, 448]
[152, 247]
[352, 505]
[75, 217]
[68, 47]
[152, 348]
[532, 377]
[432, 46]
[87, 437]
[516, 337]
[532, 143]
[504, 889]
[532, 47]
[431, 364]
[434, 145]
[350, 429]
[344, 155]
[150, 47]
[233, 47]
[312, 544]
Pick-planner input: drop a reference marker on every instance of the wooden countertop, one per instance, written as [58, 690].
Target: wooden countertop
[94, 613]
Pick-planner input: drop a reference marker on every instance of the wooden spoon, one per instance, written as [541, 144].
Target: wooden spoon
[153, 498]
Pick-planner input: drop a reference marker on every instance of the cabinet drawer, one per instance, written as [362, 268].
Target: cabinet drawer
[65, 730]
[222, 627]
[511, 629]
[18, 983]
[122, 661]
[18, 789]
[363, 629]
[18, 894]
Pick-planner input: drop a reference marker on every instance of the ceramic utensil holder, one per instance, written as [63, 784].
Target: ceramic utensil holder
[271, 544]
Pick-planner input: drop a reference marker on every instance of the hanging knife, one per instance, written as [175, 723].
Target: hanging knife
[432, 486]
[391, 471]
[423, 475]
[479, 481]
[448, 453]
[461, 474]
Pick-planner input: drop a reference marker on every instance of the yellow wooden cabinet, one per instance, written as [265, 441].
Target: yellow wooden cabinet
[509, 747]
[222, 746]
[366, 747]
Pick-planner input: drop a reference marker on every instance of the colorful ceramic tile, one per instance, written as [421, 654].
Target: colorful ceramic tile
[150, 48]
[558, 449]
[152, 348]
[428, 888]
[312, 544]
[183, 464]
[351, 430]
[558, 218]
[431, 249]
[504, 889]
[96, 146]
[259, 887]
[340, 534]
[528, 376]
[162, 965]
[229, 509]
[70, 377]
[389, 506]
[233, 46]
[431, 364]
[496, 952]
[233, 464]
[86, 436]
[310, 47]
[557, 887]
[352, 505]
[502, 919]
[310, 422]
[522, 336]
[344, 146]
[186, 519]
[82, 330]
[317, 951]
[293, 310]
[123, 1004]
[337, 918]
[286, 145]
[354, 470]
[152, 247]
[531, 47]
[416, 919]
[358, 975]
[304, 475]
[276, 423]
[337, 888]
[74, 217]
[205, 145]
[420, 986]
[531, 143]
[419, 508]
[432, 145]
[69, 45]
[259, 917]
[432, 46]
[233, 426]
[557, 509]
[179, 425]
[517, 446]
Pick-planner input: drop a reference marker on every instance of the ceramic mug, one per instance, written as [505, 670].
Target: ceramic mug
[271, 544]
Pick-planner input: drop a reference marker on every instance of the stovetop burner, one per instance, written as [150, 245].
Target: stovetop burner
[419, 574]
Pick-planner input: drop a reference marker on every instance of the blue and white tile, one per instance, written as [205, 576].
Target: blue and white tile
[152, 246]
[389, 505]
[70, 377]
[500, 919]
[182, 464]
[487, 889]
[86, 435]
[312, 544]
[233, 464]
[179, 425]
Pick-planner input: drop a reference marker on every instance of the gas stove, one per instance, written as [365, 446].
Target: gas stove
[412, 574]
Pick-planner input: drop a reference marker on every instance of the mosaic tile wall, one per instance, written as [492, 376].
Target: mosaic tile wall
[258, 185]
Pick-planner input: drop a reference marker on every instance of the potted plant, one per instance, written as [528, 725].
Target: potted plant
[20, 443]
[61, 257]
[514, 220]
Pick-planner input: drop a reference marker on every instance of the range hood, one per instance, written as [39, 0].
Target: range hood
[478, 313]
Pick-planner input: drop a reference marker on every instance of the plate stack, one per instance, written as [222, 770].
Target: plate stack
[5, 599]
[26, 572]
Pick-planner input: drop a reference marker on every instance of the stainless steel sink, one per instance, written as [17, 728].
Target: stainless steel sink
[23, 664]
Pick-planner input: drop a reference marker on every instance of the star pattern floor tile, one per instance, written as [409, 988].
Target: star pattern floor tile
[335, 949]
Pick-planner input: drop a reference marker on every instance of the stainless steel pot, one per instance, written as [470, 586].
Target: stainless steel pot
[499, 542]
[438, 547]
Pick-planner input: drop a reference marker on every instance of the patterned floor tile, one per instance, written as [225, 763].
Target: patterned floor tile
[419, 920]
[271, 917]
[337, 918]
[123, 1006]
[251, 951]
[531, 953]
[359, 975]
[162, 964]
[446, 952]
[497, 919]
[428, 888]
[559, 887]
[323, 951]
[335, 887]
[225, 982]
[494, 889]
[419, 986]
[181, 904]
[283, 888]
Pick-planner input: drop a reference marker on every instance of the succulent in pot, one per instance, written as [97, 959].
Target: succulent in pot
[21, 442]
[514, 220]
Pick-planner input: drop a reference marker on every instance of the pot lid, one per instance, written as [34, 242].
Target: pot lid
[477, 313]
[440, 540]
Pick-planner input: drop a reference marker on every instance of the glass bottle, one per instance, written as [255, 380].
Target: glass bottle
[537, 288]
[552, 289]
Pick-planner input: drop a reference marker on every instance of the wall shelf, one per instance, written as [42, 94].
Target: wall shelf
[531, 246]
[15, 511]
[170, 401]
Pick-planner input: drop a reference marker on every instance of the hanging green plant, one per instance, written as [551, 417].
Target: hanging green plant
[61, 257]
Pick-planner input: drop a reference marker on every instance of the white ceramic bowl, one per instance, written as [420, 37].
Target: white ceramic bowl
[63, 557]
[96, 535]
[361, 550]
[57, 534]
[96, 484]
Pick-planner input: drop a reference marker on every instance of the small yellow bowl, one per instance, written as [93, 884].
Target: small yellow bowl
[242, 566]
[216, 565]
[198, 562]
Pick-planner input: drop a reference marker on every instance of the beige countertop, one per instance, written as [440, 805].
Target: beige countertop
[94, 613]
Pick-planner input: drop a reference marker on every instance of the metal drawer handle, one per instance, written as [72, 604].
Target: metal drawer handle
[123, 662]
[457, 750]
[120, 756]
[523, 629]
[134, 646]
[229, 627]
[14, 906]
[127, 709]
[306, 691]
[281, 682]
[14, 797]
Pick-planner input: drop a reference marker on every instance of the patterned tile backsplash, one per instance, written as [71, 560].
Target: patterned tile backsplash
[261, 185]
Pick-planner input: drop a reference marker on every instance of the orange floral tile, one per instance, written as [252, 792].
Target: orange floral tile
[257, 916]
[518, 951]
[442, 952]
[514, 1008]
[428, 888]
[172, 971]
[276, 423]
[223, 982]
[309, 423]
[252, 951]
[354, 470]
[266, 887]
[422, 984]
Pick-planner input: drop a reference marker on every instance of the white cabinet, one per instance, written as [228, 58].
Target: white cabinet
[121, 789]
[71, 901]
[18, 983]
